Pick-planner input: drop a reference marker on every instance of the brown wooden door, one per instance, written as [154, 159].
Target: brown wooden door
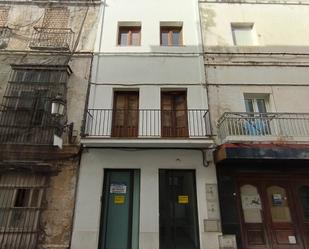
[269, 214]
[301, 192]
[174, 114]
[125, 114]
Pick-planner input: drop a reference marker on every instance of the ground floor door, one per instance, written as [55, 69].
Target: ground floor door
[274, 212]
[120, 210]
[178, 210]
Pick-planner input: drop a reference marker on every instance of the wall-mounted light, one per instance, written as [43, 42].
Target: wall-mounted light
[58, 104]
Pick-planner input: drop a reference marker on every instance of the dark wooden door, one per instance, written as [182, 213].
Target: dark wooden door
[269, 211]
[174, 114]
[301, 193]
[125, 114]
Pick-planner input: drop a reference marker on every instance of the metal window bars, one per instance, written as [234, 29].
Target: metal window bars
[25, 114]
[20, 207]
[52, 38]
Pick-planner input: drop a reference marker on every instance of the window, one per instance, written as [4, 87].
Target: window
[174, 114]
[125, 114]
[243, 34]
[255, 105]
[129, 36]
[171, 36]
[20, 206]
[257, 122]
[26, 114]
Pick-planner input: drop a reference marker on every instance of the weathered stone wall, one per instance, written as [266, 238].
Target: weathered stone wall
[22, 18]
[56, 218]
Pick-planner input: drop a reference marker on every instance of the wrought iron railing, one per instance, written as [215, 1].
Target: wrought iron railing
[147, 123]
[263, 124]
[52, 38]
[27, 127]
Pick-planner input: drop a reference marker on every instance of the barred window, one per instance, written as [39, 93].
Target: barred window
[20, 205]
[26, 107]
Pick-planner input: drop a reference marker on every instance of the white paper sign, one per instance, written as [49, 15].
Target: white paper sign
[292, 239]
[251, 202]
[118, 188]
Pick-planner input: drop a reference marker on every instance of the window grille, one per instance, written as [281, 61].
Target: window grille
[20, 207]
[26, 108]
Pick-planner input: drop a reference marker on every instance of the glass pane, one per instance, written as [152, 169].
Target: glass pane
[251, 204]
[176, 38]
[164, 38]
[22, 197]
[135, 38]
[278, 202]
[304, 199]
[177, 206]
[261, 105]
[123, 38]
[249, 105]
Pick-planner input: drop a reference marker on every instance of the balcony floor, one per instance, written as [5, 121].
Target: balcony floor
[265, 139]
[148, 142]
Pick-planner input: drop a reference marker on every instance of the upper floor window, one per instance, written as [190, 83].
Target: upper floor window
[26, 105]
[171, 35]
[129, 36]
[243, 34]
[257, 104]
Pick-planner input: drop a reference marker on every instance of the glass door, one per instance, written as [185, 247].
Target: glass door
[178, 211]
[120, 210]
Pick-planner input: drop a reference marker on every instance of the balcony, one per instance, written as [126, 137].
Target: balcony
[26, 127]
[147, 128]
[264, 127]
[52, 39]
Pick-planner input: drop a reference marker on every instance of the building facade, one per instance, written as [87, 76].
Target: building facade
[256, 63]
[45, 57]
[145, 165]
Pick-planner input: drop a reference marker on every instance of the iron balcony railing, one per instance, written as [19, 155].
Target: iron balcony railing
[27, 127]
[147, 123]
[52, 38]
[284, 125]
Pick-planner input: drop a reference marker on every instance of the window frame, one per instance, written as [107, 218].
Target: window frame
[129, 30]
[170, 31]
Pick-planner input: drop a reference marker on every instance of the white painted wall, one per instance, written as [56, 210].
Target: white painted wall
[150, 14]
[274, 24]
[148, 63]
[88, 206]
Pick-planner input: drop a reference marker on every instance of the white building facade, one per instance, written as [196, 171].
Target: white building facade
[145, 162]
